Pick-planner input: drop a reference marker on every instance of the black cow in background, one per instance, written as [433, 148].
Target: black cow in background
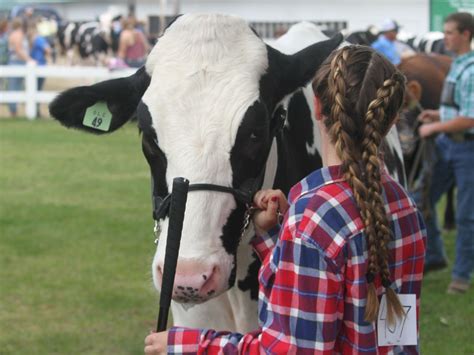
[87, 39]
[431, 42]
[366, 37]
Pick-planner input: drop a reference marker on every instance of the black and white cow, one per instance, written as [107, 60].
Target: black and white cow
[208, 101]
[89, 38]
[67, 38]
[431, 42]
[296, 38]
[365, 37]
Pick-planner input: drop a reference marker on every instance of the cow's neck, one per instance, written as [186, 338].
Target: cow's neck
[298, 146]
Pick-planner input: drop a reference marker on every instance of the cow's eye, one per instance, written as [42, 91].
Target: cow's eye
[254, 136]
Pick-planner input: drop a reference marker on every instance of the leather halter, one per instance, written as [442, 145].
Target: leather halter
[244, 194]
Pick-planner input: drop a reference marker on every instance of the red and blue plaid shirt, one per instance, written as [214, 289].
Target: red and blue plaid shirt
[313, 279]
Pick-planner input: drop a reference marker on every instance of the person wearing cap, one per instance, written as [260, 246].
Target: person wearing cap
[454, 124]
[385, 43]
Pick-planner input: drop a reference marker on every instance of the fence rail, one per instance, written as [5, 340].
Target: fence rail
[31, 72]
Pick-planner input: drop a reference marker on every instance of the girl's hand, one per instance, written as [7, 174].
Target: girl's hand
[156, 343]
[271, 206]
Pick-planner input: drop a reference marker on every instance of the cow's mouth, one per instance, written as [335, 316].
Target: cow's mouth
[187, 294]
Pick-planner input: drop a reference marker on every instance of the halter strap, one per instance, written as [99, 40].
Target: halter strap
[244, 194]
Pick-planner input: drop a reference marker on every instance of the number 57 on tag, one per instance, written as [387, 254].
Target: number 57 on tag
[404, 331]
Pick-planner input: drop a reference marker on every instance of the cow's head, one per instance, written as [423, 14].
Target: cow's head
[206, 105]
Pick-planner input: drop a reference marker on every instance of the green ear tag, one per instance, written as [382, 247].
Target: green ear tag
[98, 117]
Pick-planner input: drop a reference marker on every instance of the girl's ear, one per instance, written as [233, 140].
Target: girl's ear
[317, 109]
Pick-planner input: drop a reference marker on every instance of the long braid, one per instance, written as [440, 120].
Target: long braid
[374, 120]
[356, 124]
[344, 142]
[342, 127]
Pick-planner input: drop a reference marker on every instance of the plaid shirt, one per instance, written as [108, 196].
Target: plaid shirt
[312, 281]
[457, 98]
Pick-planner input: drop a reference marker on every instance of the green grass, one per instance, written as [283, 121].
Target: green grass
[76, 241]
[76, 247]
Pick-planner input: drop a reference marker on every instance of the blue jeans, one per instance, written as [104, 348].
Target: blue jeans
[455, 164]
[14, 84]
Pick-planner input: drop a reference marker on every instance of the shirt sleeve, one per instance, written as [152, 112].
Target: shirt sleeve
[306, 298]
[206, 341]
[388, 50]
[466, 104]
[301, 307]
[263, 244]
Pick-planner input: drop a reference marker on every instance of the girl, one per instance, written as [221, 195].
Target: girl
[350, 232]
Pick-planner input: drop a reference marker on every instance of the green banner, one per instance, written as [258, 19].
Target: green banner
[439, 9]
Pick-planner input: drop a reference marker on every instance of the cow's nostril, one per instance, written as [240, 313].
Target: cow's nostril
[195, 282]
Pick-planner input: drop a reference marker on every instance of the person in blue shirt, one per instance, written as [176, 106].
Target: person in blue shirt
[39, 51]
[385, 43]
[454, 125]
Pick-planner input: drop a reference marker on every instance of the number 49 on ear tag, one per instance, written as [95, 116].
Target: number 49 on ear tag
[98, 117]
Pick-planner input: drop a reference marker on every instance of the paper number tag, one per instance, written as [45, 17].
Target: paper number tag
[404, 331]
[98, 117]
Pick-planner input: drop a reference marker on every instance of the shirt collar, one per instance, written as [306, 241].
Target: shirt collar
[464, 56]
[315, 180]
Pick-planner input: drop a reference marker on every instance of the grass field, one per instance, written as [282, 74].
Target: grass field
[76, 246]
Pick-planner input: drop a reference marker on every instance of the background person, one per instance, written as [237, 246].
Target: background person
[324, 271]
[18, 54]
[386, 42]
[40, 51]
[3, 48]
[454, 121]
[133, 45]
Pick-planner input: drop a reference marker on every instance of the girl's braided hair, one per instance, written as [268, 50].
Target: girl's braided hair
[361, 94]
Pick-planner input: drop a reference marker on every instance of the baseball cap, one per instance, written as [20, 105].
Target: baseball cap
[389, 25]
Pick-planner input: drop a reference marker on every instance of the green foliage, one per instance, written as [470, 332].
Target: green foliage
[76, 247]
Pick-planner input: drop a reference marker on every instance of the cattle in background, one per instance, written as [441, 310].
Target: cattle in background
[425, 77]
[91, 41]
[431, 42]
[87, 38]
[67, 39]
[213, 96]
[366, 37]
[407, 44]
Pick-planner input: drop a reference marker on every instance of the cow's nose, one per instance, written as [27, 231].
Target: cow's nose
[194, 282]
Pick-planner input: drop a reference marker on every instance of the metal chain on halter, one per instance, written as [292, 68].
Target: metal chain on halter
[247, 216]
[157, 231]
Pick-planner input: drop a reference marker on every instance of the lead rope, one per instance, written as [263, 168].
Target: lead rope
[425, 145]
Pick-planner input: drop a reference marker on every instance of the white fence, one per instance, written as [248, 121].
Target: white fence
[31, 72]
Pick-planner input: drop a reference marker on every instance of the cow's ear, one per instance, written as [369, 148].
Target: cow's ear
[297, 70]
[103, 107]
